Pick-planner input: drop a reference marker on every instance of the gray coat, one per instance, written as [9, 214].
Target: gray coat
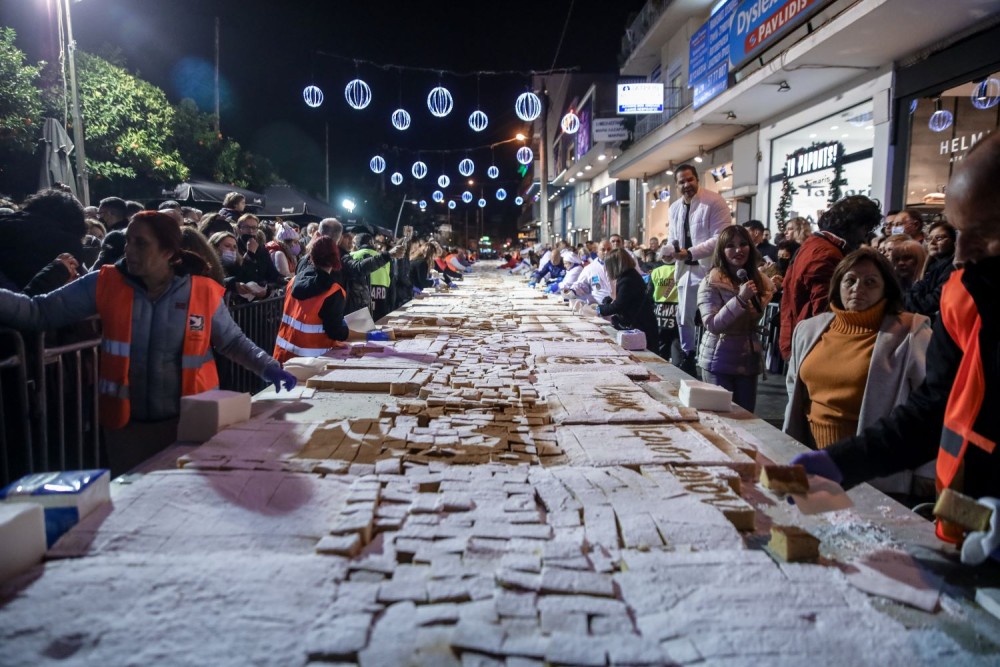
[898, 367]
[731, 342]
[157, 336]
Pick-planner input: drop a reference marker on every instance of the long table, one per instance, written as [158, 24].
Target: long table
[501, 485]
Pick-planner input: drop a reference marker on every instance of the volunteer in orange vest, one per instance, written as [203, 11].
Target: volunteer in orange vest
[313, 320]
[953, 416]
[161, 319]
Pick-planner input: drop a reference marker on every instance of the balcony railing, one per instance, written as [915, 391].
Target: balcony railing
[642, 24]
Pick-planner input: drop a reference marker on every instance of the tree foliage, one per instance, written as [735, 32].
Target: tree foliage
[20, 100]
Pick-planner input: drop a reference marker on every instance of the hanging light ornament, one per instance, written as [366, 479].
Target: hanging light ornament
[501, 194]
[482, 203]
[467, 197]
[377, 164]
[439, 101]
[570, 123]
[528, 107]
[493, 172]
[443, 181]
[524, 155]
[452, 204]
[401, 119]
[358, 94]
[438, 196]
[313, 96]
[913, 107]
[478, 121]
[941, 119]
[466, 167]
[518, 200]
[396, 178]
[422, 204]
[419, 170]
[986, 95]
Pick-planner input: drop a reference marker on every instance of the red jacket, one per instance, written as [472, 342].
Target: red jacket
[806, 287]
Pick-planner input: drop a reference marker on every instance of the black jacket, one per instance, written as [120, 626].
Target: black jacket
[420, 275]
[31, 242]
[768, 249]
[257, 267]
[924, 296]
[354, 278]
[402, 284]
[311, 282]
[910, 435]
[632, 307]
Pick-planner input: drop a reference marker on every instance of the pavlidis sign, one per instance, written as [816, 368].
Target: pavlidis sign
[758, 23]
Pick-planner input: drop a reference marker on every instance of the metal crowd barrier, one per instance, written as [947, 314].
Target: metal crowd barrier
[259, 320]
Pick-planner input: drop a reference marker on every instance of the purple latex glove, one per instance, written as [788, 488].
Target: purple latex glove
[819, 463]
[278, 376]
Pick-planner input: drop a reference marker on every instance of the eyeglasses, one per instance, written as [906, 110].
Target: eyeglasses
[938, 239]
[250, 228]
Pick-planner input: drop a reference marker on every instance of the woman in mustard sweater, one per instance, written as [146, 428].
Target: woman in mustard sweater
[851, 366]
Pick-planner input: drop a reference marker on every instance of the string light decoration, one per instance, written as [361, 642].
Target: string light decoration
[422, 204]
[518, 200]
[377, 164]
[466, 167]
[524, 155]
[913, 107]
[443, 181]
[570, 123]
[493, 172]
[467, 197]
[440, 102]
[986, 95]
[482, 203]
[437, 196]
[501, 194]
[478, 120]
[419, 170]
[358, 94]
[528, 107]
[313, 96]
[941, 119]
[452, 204]
[401, 119]
[396, 178]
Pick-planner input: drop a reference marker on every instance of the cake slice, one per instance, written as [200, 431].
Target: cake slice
[792, 544]
[785, 479]
[962, 510]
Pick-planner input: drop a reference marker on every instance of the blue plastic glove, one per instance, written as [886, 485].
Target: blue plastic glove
[531, 283]
[278, 376]
[819, 463]
[552, 289]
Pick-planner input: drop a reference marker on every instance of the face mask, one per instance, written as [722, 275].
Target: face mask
[898, 229]
[783, 264]
[296, 249]
[228, 256]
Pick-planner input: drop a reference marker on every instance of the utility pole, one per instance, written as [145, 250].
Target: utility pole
[326, 151]
[218, 116]
[543, 160]
[82, 181]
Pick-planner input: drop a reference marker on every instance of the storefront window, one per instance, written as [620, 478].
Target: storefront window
[815, 151]
[943, 129]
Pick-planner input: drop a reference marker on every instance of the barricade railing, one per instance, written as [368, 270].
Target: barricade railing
[15, 425]
[259, 320]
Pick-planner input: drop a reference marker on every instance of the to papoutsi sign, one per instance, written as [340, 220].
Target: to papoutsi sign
[759, 23]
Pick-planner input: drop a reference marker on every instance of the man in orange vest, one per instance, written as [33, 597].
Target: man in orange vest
[954, 415]
[313, 320]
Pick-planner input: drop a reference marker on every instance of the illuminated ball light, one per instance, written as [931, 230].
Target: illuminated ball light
[528, 107]
[478, 121]
[452, 204]
[443, 181]
[984, 96]
[401, 119]
[467, 197]
[665, 194]
[518, 200]
[419, 170]
[313, 96]
[377, 164]
[570, 123]
[524, 155]
[439, 102]
[940, 120]
[396, 178]
[493, 172]
[482, 203]
[422, 204]
[358, 94]
[501, 194]
[466, 167]
[438, 196]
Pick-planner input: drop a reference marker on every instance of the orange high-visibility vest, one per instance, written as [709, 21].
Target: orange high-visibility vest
[301, 332]
[963, 323]
[114, 304]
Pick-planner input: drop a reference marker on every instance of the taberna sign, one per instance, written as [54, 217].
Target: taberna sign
[758, 24]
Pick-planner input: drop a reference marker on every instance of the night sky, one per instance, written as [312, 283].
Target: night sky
[269, 53]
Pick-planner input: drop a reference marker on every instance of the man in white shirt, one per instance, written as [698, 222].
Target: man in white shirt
[695, 222]
[593, 285]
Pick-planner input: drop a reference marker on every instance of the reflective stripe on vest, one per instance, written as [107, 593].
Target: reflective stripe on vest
[114, 304]
[301, 333]
[963, 323]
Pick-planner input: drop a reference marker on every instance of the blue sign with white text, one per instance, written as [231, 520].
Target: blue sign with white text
[708, 70]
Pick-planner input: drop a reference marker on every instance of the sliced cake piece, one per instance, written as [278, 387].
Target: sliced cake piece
[785, 479]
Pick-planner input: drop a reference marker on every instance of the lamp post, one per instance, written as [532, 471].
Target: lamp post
[82, 181]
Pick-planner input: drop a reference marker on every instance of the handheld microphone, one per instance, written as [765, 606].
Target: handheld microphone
[742, 275]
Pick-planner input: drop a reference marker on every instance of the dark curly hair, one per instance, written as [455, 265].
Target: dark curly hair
[59, 207]
[851, 215]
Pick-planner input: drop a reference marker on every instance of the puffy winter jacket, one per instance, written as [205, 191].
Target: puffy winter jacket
[731, 342]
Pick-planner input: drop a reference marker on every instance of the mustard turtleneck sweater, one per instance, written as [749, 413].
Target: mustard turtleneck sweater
[835, 372]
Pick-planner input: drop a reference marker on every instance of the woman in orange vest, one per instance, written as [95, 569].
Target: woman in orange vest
[161, 319]
[313, 320]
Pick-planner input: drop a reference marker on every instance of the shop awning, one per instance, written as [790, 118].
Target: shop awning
[209, 192]
[286, 202]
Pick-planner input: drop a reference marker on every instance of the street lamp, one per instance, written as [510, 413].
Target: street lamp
[349, 204]
[83, 183]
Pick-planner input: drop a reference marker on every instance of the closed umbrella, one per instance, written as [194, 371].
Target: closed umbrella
[56, 166]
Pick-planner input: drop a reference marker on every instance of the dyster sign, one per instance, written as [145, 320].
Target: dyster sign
[758, 24]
